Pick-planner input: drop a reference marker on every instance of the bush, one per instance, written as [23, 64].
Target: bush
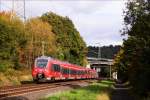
[4, 66]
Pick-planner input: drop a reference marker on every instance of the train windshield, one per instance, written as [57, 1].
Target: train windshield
[41, 63]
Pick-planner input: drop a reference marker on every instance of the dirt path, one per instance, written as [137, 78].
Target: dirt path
[121, 92]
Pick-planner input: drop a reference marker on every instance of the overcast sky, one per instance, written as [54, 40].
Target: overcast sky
[98, 21]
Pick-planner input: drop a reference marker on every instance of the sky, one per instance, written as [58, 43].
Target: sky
[98, 21]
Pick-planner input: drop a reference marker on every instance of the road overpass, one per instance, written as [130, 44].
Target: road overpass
[101, 65]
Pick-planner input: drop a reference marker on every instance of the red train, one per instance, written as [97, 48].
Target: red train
[47, 68]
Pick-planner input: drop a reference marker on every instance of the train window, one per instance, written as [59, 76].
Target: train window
[56, 67]
[78, 72]
[84, 72]
[41, 63]
[65, 70]
[70, 71]
[73, 72]
[81, 72]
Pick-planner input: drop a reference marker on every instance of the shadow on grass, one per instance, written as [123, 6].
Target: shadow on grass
[106, 81]
[3, 95]
[85, 93]
[15, 98]
[26, 82]
[74, 86]
[99, 87]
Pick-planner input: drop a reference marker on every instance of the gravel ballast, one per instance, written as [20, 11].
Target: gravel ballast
[47, 92]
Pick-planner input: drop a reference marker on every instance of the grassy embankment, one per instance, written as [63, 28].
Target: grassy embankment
[95, 91]
[14, 77]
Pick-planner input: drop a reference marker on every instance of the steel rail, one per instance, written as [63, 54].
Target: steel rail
[35, 87]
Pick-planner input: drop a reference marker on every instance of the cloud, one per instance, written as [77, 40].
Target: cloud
[97, 20]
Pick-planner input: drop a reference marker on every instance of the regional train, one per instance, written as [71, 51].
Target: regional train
[47, 68]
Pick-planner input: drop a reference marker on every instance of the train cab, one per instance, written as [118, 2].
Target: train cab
[41, 68]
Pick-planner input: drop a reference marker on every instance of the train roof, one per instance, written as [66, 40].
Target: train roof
[63, 62]
[44, 57]
[55, 60]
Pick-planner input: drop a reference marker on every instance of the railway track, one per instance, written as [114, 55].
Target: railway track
[20, 90]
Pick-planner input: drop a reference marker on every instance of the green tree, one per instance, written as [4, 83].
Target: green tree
[70, 44]
[38, 33]
[11, 40]
[136, 55]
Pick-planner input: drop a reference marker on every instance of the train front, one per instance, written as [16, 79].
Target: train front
[40, 69]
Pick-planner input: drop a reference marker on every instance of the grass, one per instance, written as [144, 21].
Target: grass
[14, 77]
[95, 91]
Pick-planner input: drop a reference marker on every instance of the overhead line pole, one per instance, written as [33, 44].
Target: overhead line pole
[99, 55]
[12, 11]
[43, 48]
[99, 50]
[24, 10]
[0, 5]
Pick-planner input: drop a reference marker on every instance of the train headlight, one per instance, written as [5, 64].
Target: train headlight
[46, 70]
[35, 70]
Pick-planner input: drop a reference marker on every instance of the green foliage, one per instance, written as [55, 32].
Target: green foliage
[4, 65]
[11, 39]
[106, 51]
[70, 44]
[136, 56]
[38, 33]
[120, 66]
[86, 93]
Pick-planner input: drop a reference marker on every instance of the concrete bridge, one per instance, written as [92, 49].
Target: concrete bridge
[101, 65]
